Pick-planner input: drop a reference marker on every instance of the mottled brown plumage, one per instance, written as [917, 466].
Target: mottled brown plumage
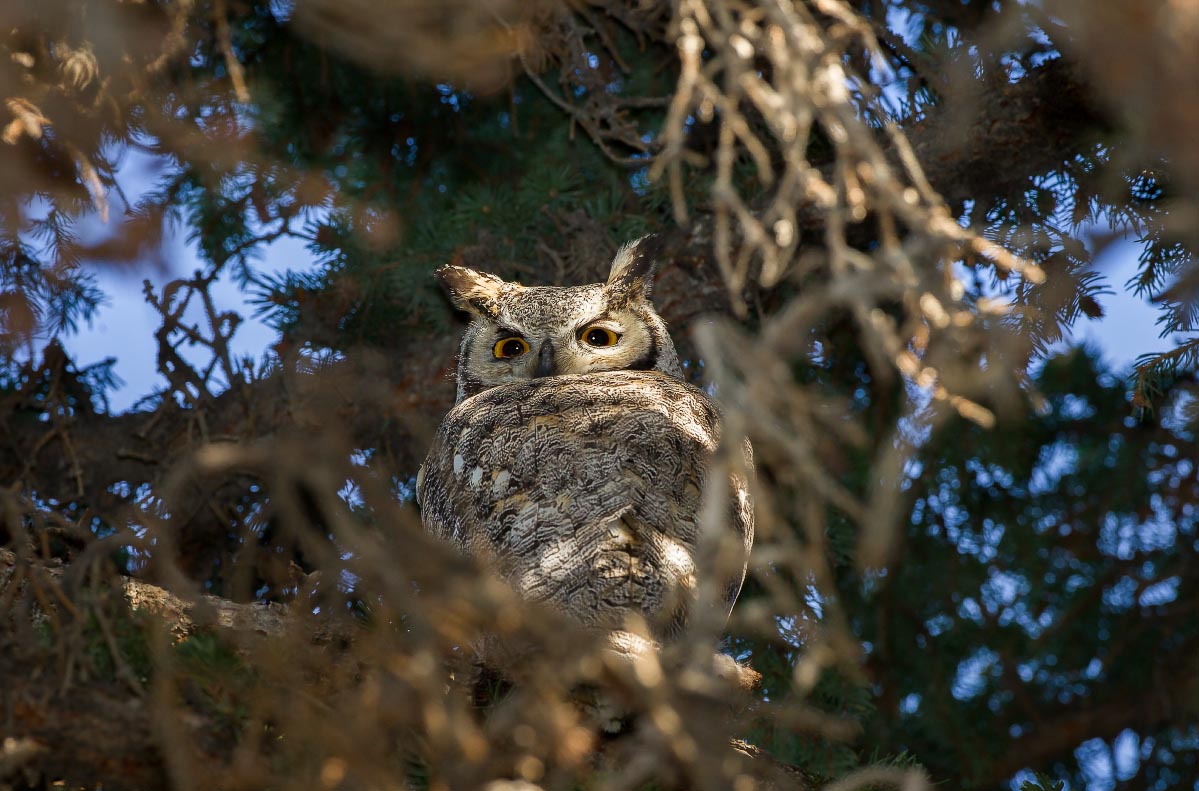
[576, 466]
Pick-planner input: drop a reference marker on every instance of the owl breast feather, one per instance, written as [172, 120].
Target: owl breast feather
[582, 490]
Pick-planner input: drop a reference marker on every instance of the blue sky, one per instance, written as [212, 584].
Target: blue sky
[124, 326]
[1127, 329]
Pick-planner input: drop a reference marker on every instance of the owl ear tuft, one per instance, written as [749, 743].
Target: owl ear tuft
[634, 266]
[471, 291]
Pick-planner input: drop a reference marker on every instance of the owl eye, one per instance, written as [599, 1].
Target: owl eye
[507, 348]
[599, 336]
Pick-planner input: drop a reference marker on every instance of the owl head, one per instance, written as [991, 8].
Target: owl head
[520, 333]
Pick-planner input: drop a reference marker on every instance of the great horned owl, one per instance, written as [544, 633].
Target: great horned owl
[575, 458]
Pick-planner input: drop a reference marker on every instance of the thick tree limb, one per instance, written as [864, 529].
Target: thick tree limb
[1060, 736]
[93, 731]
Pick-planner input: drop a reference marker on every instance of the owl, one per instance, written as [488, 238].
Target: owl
[575, 458]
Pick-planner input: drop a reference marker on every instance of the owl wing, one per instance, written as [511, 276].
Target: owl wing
[584, 490]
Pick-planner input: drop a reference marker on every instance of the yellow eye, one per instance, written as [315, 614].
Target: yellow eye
[507, 348]
[599, 336]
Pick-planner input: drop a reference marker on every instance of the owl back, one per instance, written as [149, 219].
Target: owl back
[583, 490]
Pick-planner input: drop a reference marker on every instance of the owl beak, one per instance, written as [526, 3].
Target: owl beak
[545, 360]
